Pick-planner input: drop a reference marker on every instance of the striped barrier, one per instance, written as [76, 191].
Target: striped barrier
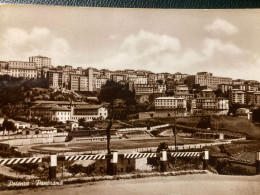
[140, 155]
[85, 157]
[185, 154]
[12, 161]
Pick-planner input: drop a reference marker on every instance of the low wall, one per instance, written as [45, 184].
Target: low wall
[5, 137]
[59, 139]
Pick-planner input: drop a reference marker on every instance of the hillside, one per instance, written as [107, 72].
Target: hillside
[235, 124]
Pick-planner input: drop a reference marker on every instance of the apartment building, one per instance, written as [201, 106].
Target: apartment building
[169, 104]
[225, 88]
[99, 82]
[142, 89]
[41, 61]
[207, 93]
[138, 79]
[74, 82]
[208, 80]
[179, 76]
[256, 98]
[210, 106]
[181, 89]
[22, 69]
[118, 77]
[55, 79]
[83, 83]
[157, 88]
[238, 96]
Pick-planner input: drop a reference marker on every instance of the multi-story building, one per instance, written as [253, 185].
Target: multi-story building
[210, 106]
[241, 87]
[99, 82]
[251, 87]
[42, 110]
[137, 79]
[225, 88]
[256, 98]
[3, 65]
[250, 97]
[207, 93]
[90, 75]
[118, 77]
[157, 88]
[4, 68]
[41, 61]
[22, 69]
[89, 112]
[105, 73]
[142, 89]
[181, 89]
[83, 83]
[208, 80]
[238, 96]
[60, 114]
[74, 82]
[238, 82]
[170, 104]
[152, 78]
[55, 79]
[62, 111]
[179, 76]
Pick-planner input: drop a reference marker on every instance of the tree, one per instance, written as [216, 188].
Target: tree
[82, 122]
[8, 125]
[110, 92]
[160, 82]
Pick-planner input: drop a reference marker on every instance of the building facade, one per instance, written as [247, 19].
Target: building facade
[210, 106]
[170, 104]
[41, 61]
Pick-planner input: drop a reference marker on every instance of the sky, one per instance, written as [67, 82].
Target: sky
[224, 42]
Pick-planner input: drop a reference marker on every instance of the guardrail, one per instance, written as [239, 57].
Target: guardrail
[113, 159]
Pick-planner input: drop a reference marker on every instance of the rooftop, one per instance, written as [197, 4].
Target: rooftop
[60, 108]
[169, 98]
[44, 106]
[89, 107]
[59, 102]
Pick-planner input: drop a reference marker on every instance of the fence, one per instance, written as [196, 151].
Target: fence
[113, 159]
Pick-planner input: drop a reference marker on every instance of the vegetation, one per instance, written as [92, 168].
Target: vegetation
[8, 125]
[111, 92]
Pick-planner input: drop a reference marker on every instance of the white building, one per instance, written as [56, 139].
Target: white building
[89, 112]
[238, 96]
[171, 104]
[210, 106]
[22, 69]
[41, 61]
[60, 114]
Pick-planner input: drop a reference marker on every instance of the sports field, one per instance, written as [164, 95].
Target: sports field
[115, 144]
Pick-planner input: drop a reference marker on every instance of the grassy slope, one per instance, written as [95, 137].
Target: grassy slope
[235, 124]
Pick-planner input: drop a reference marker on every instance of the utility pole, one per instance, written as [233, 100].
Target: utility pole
[174, 130]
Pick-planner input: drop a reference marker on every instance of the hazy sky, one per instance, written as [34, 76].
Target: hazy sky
[224, 42]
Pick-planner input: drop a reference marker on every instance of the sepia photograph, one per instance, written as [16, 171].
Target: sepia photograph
[97, 100]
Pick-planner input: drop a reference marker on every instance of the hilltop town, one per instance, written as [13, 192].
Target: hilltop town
[154, 93]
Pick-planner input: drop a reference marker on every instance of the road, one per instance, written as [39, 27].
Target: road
[172, 185]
